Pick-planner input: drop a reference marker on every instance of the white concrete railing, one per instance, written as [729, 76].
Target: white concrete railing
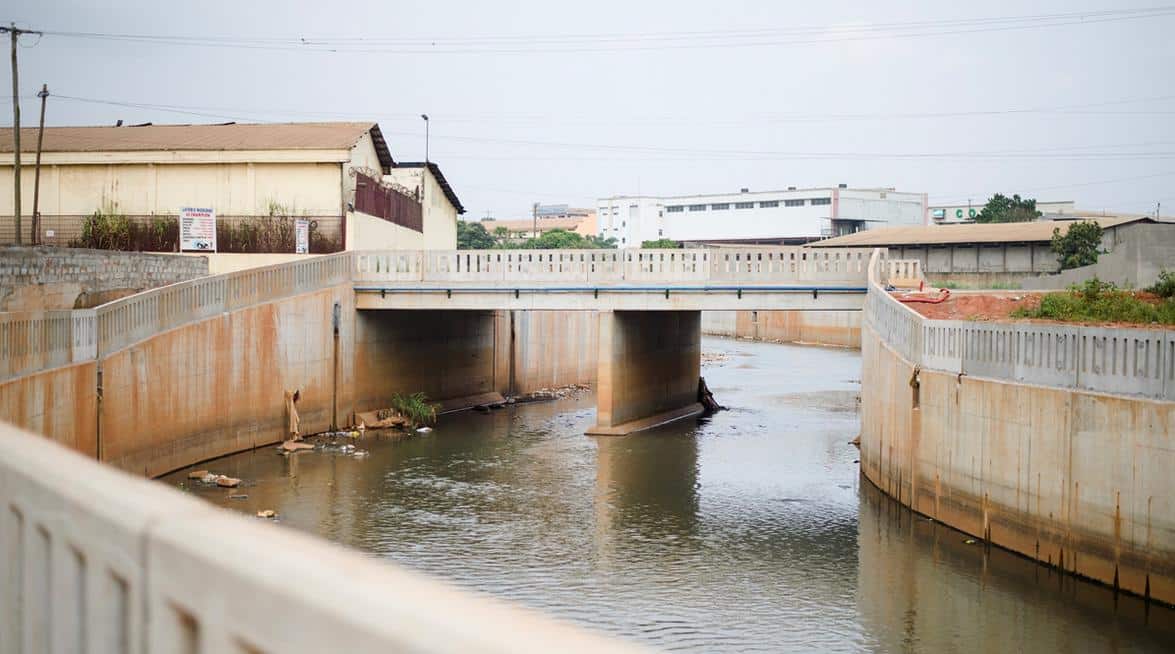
[95, 560]
[751, 265]
[134, 318]
[1121, 361]
[38, 340]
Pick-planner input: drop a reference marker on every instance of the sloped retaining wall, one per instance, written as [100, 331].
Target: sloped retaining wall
[1024, 436]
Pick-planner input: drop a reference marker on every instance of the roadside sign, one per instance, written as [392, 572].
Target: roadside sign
[197, 229]
[301, 236]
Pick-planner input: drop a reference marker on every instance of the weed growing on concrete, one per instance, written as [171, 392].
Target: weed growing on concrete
[1165, 286]
[415, 408]
[1098, 301]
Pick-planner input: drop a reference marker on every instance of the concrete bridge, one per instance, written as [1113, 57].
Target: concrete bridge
[440, 313]
[649, 305]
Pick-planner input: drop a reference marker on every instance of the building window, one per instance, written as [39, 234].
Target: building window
[660, 232]
[697, 207]
[720, 207]
[793, 203]
[623, 223]
[816, 201]
[674, 208]
[744, 205]
[769, 204]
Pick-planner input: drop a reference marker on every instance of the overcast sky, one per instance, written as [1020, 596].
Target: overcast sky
[567, 102]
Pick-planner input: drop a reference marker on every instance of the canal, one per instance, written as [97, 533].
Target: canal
[748, 531]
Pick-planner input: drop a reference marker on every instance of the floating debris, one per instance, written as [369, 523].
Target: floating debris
[227, 482]
[294, 446]
[238, 496]
[198, 474]
[969, 541]
[267, 513]
[423, 430]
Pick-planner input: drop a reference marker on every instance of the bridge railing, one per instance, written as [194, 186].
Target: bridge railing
[1123, 361]
[95, 560]
[38, 340]
[134, 318]
[749, 265]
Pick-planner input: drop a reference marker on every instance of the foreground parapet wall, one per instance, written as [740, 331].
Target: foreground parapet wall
[96, 560]
[1074, 478]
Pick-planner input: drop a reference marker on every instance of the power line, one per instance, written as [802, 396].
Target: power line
[579, 43]
[529, 119]
[1062, 153]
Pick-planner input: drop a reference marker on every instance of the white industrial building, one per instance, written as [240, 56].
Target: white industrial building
[792, 216]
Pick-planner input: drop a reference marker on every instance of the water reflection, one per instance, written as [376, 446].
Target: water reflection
[751, 531]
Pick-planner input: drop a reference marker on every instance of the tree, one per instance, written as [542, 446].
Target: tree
[473, 236]
[601, 243]
[1079, 246]
[557, 239]
[1003, 209]
[661, 244]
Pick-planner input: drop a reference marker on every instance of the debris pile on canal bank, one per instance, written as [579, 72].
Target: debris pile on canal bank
[714, 358]
[555, 393]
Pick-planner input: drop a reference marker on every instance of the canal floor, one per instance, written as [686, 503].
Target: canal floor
[751, 530]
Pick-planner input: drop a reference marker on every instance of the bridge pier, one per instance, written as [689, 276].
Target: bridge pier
[647, 371]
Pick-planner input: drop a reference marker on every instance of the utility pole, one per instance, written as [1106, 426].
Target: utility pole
[36, 239]
[534, 214]
[15, 33]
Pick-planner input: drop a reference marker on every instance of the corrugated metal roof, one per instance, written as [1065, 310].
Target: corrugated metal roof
[1041, 230]
[230, 136]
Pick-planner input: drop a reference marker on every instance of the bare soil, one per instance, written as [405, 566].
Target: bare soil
[995, 306]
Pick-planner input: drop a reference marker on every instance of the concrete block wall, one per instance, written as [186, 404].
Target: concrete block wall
[45, 278]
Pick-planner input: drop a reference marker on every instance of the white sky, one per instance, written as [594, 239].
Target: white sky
[515, 122]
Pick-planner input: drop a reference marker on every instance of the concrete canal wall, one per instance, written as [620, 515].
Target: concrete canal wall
[837, 328]
[1055, 442]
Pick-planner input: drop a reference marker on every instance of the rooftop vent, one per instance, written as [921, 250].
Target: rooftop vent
[745, 190]
[843, 185]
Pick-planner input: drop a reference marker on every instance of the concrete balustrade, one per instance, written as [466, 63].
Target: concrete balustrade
[38, 340]
[751, 265]
[98, 561]
[1054, 441]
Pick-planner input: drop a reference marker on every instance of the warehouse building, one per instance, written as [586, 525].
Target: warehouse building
[788, 217]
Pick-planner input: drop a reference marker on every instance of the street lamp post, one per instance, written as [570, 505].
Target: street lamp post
[425, 117]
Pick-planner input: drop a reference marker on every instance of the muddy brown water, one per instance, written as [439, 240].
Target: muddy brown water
[748, 531]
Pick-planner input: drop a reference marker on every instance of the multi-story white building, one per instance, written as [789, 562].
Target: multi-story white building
[770, 217]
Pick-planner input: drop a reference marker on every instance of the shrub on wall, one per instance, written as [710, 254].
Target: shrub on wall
[107, 229]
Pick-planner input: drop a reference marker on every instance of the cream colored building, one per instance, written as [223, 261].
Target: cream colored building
[303, 170]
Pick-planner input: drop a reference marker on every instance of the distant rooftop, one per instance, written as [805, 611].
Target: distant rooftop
[809, 189]
[1028, 232]
[225, 136]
